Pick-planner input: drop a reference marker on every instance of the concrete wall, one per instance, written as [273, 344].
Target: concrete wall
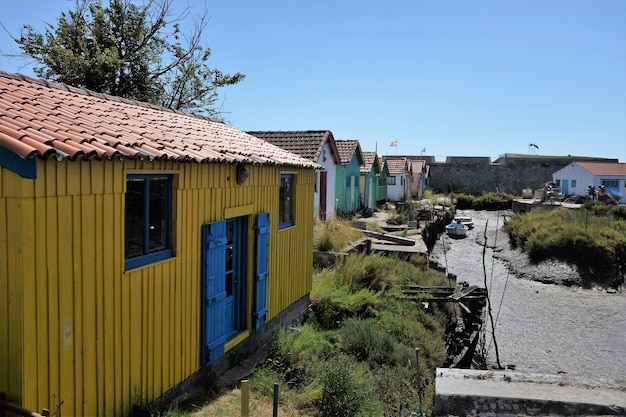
[507, 174]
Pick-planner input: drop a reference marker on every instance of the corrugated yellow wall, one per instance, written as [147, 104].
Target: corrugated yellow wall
[75, 327]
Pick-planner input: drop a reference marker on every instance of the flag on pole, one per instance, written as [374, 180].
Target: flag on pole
[394, 143]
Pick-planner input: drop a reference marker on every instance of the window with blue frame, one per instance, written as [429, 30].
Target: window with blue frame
[286, 216]
[148, 219]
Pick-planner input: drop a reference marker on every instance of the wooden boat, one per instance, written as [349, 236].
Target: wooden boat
[464, 218]
[457, 229]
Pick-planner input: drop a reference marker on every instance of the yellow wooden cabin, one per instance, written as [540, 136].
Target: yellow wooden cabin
[138, 245]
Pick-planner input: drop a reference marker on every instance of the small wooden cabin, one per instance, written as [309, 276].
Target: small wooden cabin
[138, 245]
[348, 176]
[317, 146]
[370, 177]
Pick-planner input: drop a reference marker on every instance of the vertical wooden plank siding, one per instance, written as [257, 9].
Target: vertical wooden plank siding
[11, 324]
[75, 327]
[5, 313]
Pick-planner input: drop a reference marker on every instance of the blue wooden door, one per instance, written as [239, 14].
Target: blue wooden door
[565, 187]
[214, 291]
[261, 272]
[224, 283]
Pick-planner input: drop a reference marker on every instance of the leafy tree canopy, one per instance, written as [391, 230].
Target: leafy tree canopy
[128, 50]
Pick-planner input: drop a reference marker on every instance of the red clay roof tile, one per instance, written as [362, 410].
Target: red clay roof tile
[42, 119]
[604, 168]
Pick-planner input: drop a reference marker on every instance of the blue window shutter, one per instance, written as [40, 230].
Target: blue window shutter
[214, 294]
[262, 261]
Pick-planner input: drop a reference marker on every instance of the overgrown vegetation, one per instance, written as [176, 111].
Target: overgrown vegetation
[485, 201]
[593, 238]
[354, 354]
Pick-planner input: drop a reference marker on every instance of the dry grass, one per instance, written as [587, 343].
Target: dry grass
[229, 405]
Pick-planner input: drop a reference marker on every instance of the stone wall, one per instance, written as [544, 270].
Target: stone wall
[509, 174]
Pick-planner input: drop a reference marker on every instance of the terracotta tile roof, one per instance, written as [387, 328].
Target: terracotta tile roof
[369, 158]
[396, 165]
[41, 119]
[604, 168]
[417, 166]
[306, 143]
[347, 148]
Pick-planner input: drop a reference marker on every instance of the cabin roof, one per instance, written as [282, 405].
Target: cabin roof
[369, 161]
[396, 165]
[347, 148]
[45, 120]
[306, 143]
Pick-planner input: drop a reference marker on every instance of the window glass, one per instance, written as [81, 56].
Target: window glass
[158, 217]
[391, 180]
[286, 201]
[148, 221]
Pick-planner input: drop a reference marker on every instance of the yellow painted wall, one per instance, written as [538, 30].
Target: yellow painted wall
[75, 326]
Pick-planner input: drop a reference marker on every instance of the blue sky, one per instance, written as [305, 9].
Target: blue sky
[459, 78]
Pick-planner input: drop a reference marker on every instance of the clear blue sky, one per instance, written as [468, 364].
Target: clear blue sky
[457, 77]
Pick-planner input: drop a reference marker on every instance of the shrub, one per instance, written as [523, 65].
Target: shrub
[367, 342]
[345, 392]
[584, 237]
[334, 235]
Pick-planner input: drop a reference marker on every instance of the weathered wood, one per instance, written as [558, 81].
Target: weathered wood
[390, 238]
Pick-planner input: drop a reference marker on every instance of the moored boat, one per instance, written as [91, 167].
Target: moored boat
[464, 218]
[456, 229]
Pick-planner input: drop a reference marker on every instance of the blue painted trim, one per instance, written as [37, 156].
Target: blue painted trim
[25, 168]
[153, 257]
[150, 258]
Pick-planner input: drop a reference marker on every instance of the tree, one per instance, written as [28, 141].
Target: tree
[128, 50]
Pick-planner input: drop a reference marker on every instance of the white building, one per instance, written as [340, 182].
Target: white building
[575, 178]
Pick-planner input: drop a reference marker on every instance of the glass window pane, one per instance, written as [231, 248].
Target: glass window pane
[158, 215]
[286, 200]
[229, 257]
[135, 215]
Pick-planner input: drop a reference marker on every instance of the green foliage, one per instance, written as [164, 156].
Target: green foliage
[333, 302]
[345, 393]
[128, 50]
[586, 237]
[486, 201]
[365, 341]
[354, 355]
[334, 235]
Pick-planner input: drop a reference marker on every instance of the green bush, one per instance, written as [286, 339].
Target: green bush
[345, 392]
[365, 341]
[485, 201]
[584, 237]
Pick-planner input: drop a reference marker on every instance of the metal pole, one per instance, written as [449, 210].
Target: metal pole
[245, 398]
[275, 411]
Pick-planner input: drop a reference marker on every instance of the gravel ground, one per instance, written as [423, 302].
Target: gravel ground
[541, 328]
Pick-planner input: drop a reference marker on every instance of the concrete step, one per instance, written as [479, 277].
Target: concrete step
[461, 392]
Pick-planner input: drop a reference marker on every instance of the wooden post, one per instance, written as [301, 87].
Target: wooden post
[245, 398]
